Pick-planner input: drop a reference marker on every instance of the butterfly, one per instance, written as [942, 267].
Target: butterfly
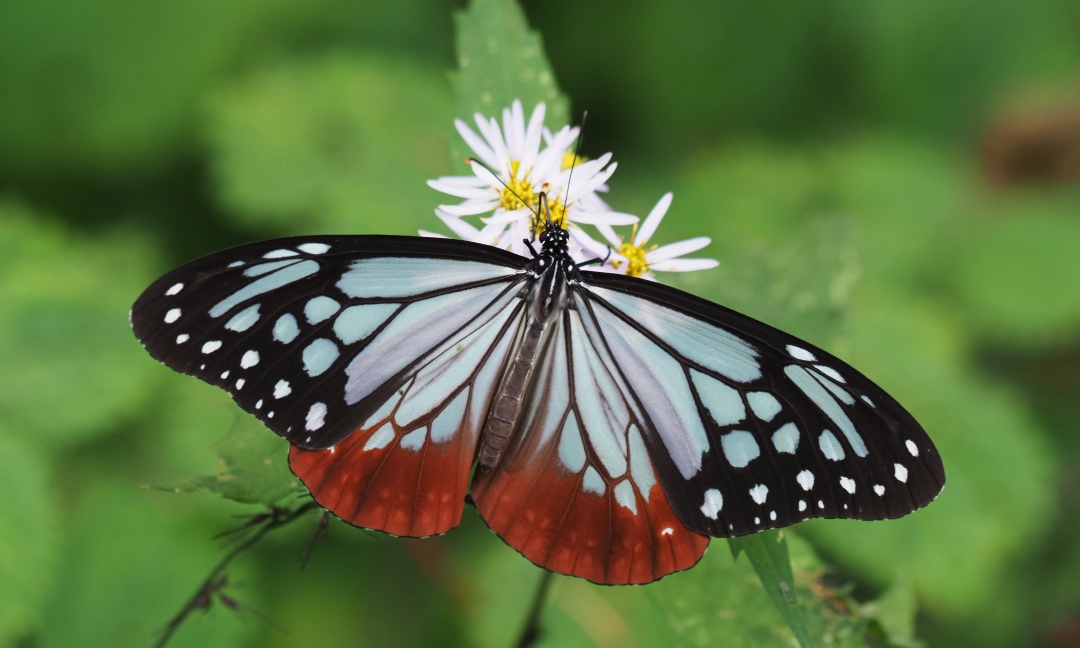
[603, 426]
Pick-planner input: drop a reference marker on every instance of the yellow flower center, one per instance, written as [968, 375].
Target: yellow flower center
[518, 193]
[636, 264]
[558, 216]
[570, 159]
[635, 257]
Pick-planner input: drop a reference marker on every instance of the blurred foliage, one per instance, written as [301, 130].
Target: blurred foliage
[831, 151]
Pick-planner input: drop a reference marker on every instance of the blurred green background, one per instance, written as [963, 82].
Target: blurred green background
[898, 182]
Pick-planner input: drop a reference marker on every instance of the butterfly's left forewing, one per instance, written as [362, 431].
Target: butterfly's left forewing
[313, 335]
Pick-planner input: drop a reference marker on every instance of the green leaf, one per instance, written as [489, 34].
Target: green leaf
[71, 366]
[342, 143]
[499, 60]
[894, 612]
[28, 536]
[768, 554]
[131, 560]
[111, 86]
[252, 460]
[1018, 275]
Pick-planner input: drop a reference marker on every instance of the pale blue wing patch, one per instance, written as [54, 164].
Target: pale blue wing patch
[356, 323]
[273, 281]
[731, 356]
[403, 277]
[825, 401]
[418, 330]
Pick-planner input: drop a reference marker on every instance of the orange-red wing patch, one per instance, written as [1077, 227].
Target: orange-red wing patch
[390, 484]
[544, 511]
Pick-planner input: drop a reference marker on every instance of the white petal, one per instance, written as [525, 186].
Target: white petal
[532, 136]
[672, 250]
[652, 221]
[482, 150]
[589, 245]
[588, 186]
[607, 217]
[427, 234]
[461, 192]
[464, 230]
[491, 234]
[509, 216]
[609, 234]
[684, 265]
[469, 208]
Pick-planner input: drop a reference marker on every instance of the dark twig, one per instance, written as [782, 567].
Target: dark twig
[531, 632]
[320, 530]
[216, 580]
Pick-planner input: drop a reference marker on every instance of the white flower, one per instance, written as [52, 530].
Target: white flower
[633, 258]
[514, 168]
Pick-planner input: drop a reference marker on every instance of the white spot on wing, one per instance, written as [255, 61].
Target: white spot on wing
[183, 337]
[319, 355]
[879, 489]
[772, 515]
[224, 375]
[786, 439]
[571, 450]
[235, 264]
[282, 389]
[725, 405]
[848, 484]
[867, 400]
[802, 505]
[240, 383]
[316, 416]
[592, 482]
[244, 320]
[250, 359]
[357, 322]
[172, 315]
[286, 329]
[667, 531]
[912, 448]
[901, 473]
[830, 446]
[830, 372]
[381, 438]
[414, 440]
[759, 493]
[805, 479]
[800, 354]
[764, 405]
[314, 248]
[211, 346]
[175, 289]
[319, 309]
[258, 404]
[714, 502]
[740, 448]
[279, 254]
[624, 495]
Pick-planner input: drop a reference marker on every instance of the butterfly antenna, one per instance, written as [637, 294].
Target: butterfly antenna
[573, 161]
[535, 212]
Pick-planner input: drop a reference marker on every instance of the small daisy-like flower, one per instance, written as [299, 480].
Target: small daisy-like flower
[514, 167]
[636, 259]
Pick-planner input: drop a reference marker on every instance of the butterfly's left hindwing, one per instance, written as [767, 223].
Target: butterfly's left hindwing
[313, 335]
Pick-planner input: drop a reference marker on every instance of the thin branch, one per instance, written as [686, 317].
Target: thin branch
[216, 580]
[531, 632]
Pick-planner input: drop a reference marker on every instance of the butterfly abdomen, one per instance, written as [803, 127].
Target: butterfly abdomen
[546, 304]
